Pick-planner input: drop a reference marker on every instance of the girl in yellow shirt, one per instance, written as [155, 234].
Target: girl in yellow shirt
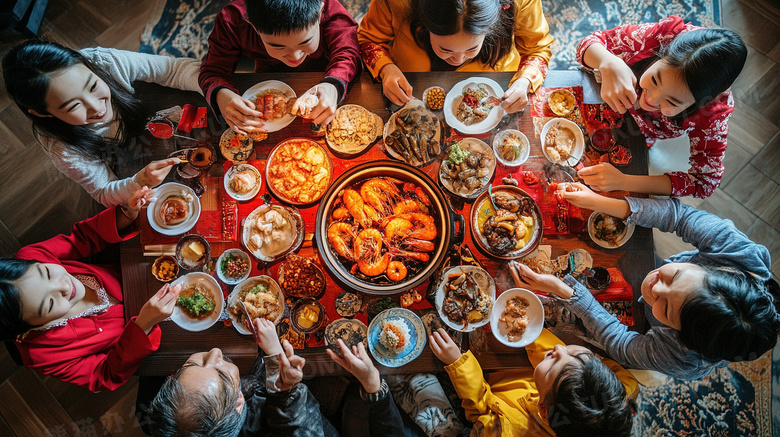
[461, 35]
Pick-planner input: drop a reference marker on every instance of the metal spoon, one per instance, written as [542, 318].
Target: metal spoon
[490, 195]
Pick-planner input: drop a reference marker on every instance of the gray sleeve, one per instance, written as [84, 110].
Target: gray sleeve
[92, 174]
[660, 349]
[718, 241]
[126, 67]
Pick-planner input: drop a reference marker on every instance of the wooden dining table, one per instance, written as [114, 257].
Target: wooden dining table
[634, 259]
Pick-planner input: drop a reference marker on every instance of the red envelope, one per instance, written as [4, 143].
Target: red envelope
[187, 118]
[200, 118]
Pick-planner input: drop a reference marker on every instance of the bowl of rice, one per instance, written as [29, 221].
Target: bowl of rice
[396, 337]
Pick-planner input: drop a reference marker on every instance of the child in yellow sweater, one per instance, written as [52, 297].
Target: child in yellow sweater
[568, 392]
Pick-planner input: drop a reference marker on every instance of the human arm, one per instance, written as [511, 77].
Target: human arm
[127, 67]
[339, 40]
[605, 177]
[582, 196]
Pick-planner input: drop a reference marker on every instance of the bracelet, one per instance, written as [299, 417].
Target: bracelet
[375, 397]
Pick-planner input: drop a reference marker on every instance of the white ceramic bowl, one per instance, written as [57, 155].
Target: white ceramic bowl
[525, 151]
[163, 192]
[454, 97]
[484, 281]
[238, 168]
[629, 231]
[535, 313]
[579, 140]
[184, 321]
[236, 252]
[248, 283]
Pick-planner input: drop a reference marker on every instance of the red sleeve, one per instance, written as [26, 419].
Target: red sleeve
[707, 131]
[216, 71]
[110, 370]
[634, 43]
[87, 237]
[339, 39]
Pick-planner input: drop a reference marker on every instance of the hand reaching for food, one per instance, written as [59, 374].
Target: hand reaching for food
[306, 103]
[394, 85]
[138, 200]
[516, 97]
[527, 278]
[158, 308]
[266, 337]
[239, 113]
[327, 101]
[155, 172]
[443, 347]
[603, 177]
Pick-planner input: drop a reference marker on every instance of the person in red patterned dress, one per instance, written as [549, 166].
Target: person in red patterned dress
[684, 77]
[67, 316]
[461, 35]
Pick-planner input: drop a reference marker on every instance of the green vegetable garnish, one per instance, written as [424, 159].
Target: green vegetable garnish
[259, 288]
[457, 155]
[196, 304]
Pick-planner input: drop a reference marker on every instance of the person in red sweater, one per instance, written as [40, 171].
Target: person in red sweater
[280, 36]
[67, 316]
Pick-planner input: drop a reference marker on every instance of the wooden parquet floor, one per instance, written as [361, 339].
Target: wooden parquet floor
[37, 202]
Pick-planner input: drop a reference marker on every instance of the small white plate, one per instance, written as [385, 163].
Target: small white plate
[535, 314]
[484, 282]
[279, 123]
[249, 283]
[235, 252]
[455, 96]
[238, 168]
[525, 150]
[410, 352]
[579, 140]
[163, 192]
[184, 321]
[627, 233]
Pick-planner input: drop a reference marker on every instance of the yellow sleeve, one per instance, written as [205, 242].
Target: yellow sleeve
[626, 378]
[480, 403]
[533, 41]
[376, 35]
[545, 343]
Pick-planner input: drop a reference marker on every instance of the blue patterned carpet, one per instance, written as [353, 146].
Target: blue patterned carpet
[734, 401]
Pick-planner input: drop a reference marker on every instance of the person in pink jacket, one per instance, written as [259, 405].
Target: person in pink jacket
[67, 316]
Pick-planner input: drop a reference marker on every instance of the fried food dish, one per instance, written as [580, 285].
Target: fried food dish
[414, 137]
[261, 302]
[511, 226]
[175, 209]
[196, 301]
[300, 277]
[464, 302]
[299, 171]
[382, 230]
[511, 147]
[561, 102]
[352, 128]
[272, 104]
[515, 317]
[559, 143]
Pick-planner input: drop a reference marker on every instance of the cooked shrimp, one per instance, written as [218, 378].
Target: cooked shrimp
[424, 226]
[341, 237]
[354, 204]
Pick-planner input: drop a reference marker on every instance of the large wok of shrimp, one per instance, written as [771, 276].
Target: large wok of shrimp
[382, 229]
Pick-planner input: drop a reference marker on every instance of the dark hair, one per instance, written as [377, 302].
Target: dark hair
[588, 399]
[734, 316]
[493, 18]
[279, 17]
[708, 59]
[176, 411]
[27, 71]
[11, 323]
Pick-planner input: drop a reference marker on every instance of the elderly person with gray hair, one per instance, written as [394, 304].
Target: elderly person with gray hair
[207, 396]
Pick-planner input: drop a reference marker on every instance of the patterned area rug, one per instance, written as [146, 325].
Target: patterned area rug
[734, 401]
[184, 25]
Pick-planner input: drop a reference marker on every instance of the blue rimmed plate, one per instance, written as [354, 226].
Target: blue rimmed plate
[414, 346]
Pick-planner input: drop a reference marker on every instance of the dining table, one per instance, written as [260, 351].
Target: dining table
[633, 259]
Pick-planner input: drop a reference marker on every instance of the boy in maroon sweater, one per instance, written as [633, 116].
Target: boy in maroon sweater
[280, 36]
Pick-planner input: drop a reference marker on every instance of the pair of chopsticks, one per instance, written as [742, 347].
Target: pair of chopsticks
[159, 249]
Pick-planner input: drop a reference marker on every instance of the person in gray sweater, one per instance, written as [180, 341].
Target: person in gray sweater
[707, 307]
[84, 111]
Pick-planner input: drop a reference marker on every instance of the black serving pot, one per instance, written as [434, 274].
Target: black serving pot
[450, 226]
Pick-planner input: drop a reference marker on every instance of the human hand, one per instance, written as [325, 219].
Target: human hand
[579, 195]
[158, 308]
[266, 337]
[443, 347]
[290, 367]
[525, 277]
[358, 363]
[603, 177]
[516, 97]
[240, 114]
[328, 96]
[138, 200]
[155, 172]
[394, 85]
[618, 84]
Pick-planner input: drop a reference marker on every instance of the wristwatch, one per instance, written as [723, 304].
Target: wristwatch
[375, 397]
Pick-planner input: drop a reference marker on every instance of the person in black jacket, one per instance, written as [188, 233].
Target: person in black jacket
[207, 397]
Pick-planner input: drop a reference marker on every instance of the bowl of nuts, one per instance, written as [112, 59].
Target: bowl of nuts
[300, 276]
[233, 266]
[165, 268]
[434, 98]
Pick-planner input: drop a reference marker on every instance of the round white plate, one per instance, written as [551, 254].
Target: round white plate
[153, 211]
[454, 97]
[475, 146]
[410, 352]
[243, 255]
[390, 127]
[484, 282]
[535, 314]
[237, 168]
[250, 282]
[524, 153]
[279, 123]
[210, 283]
[620, 241]
[579, 145]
